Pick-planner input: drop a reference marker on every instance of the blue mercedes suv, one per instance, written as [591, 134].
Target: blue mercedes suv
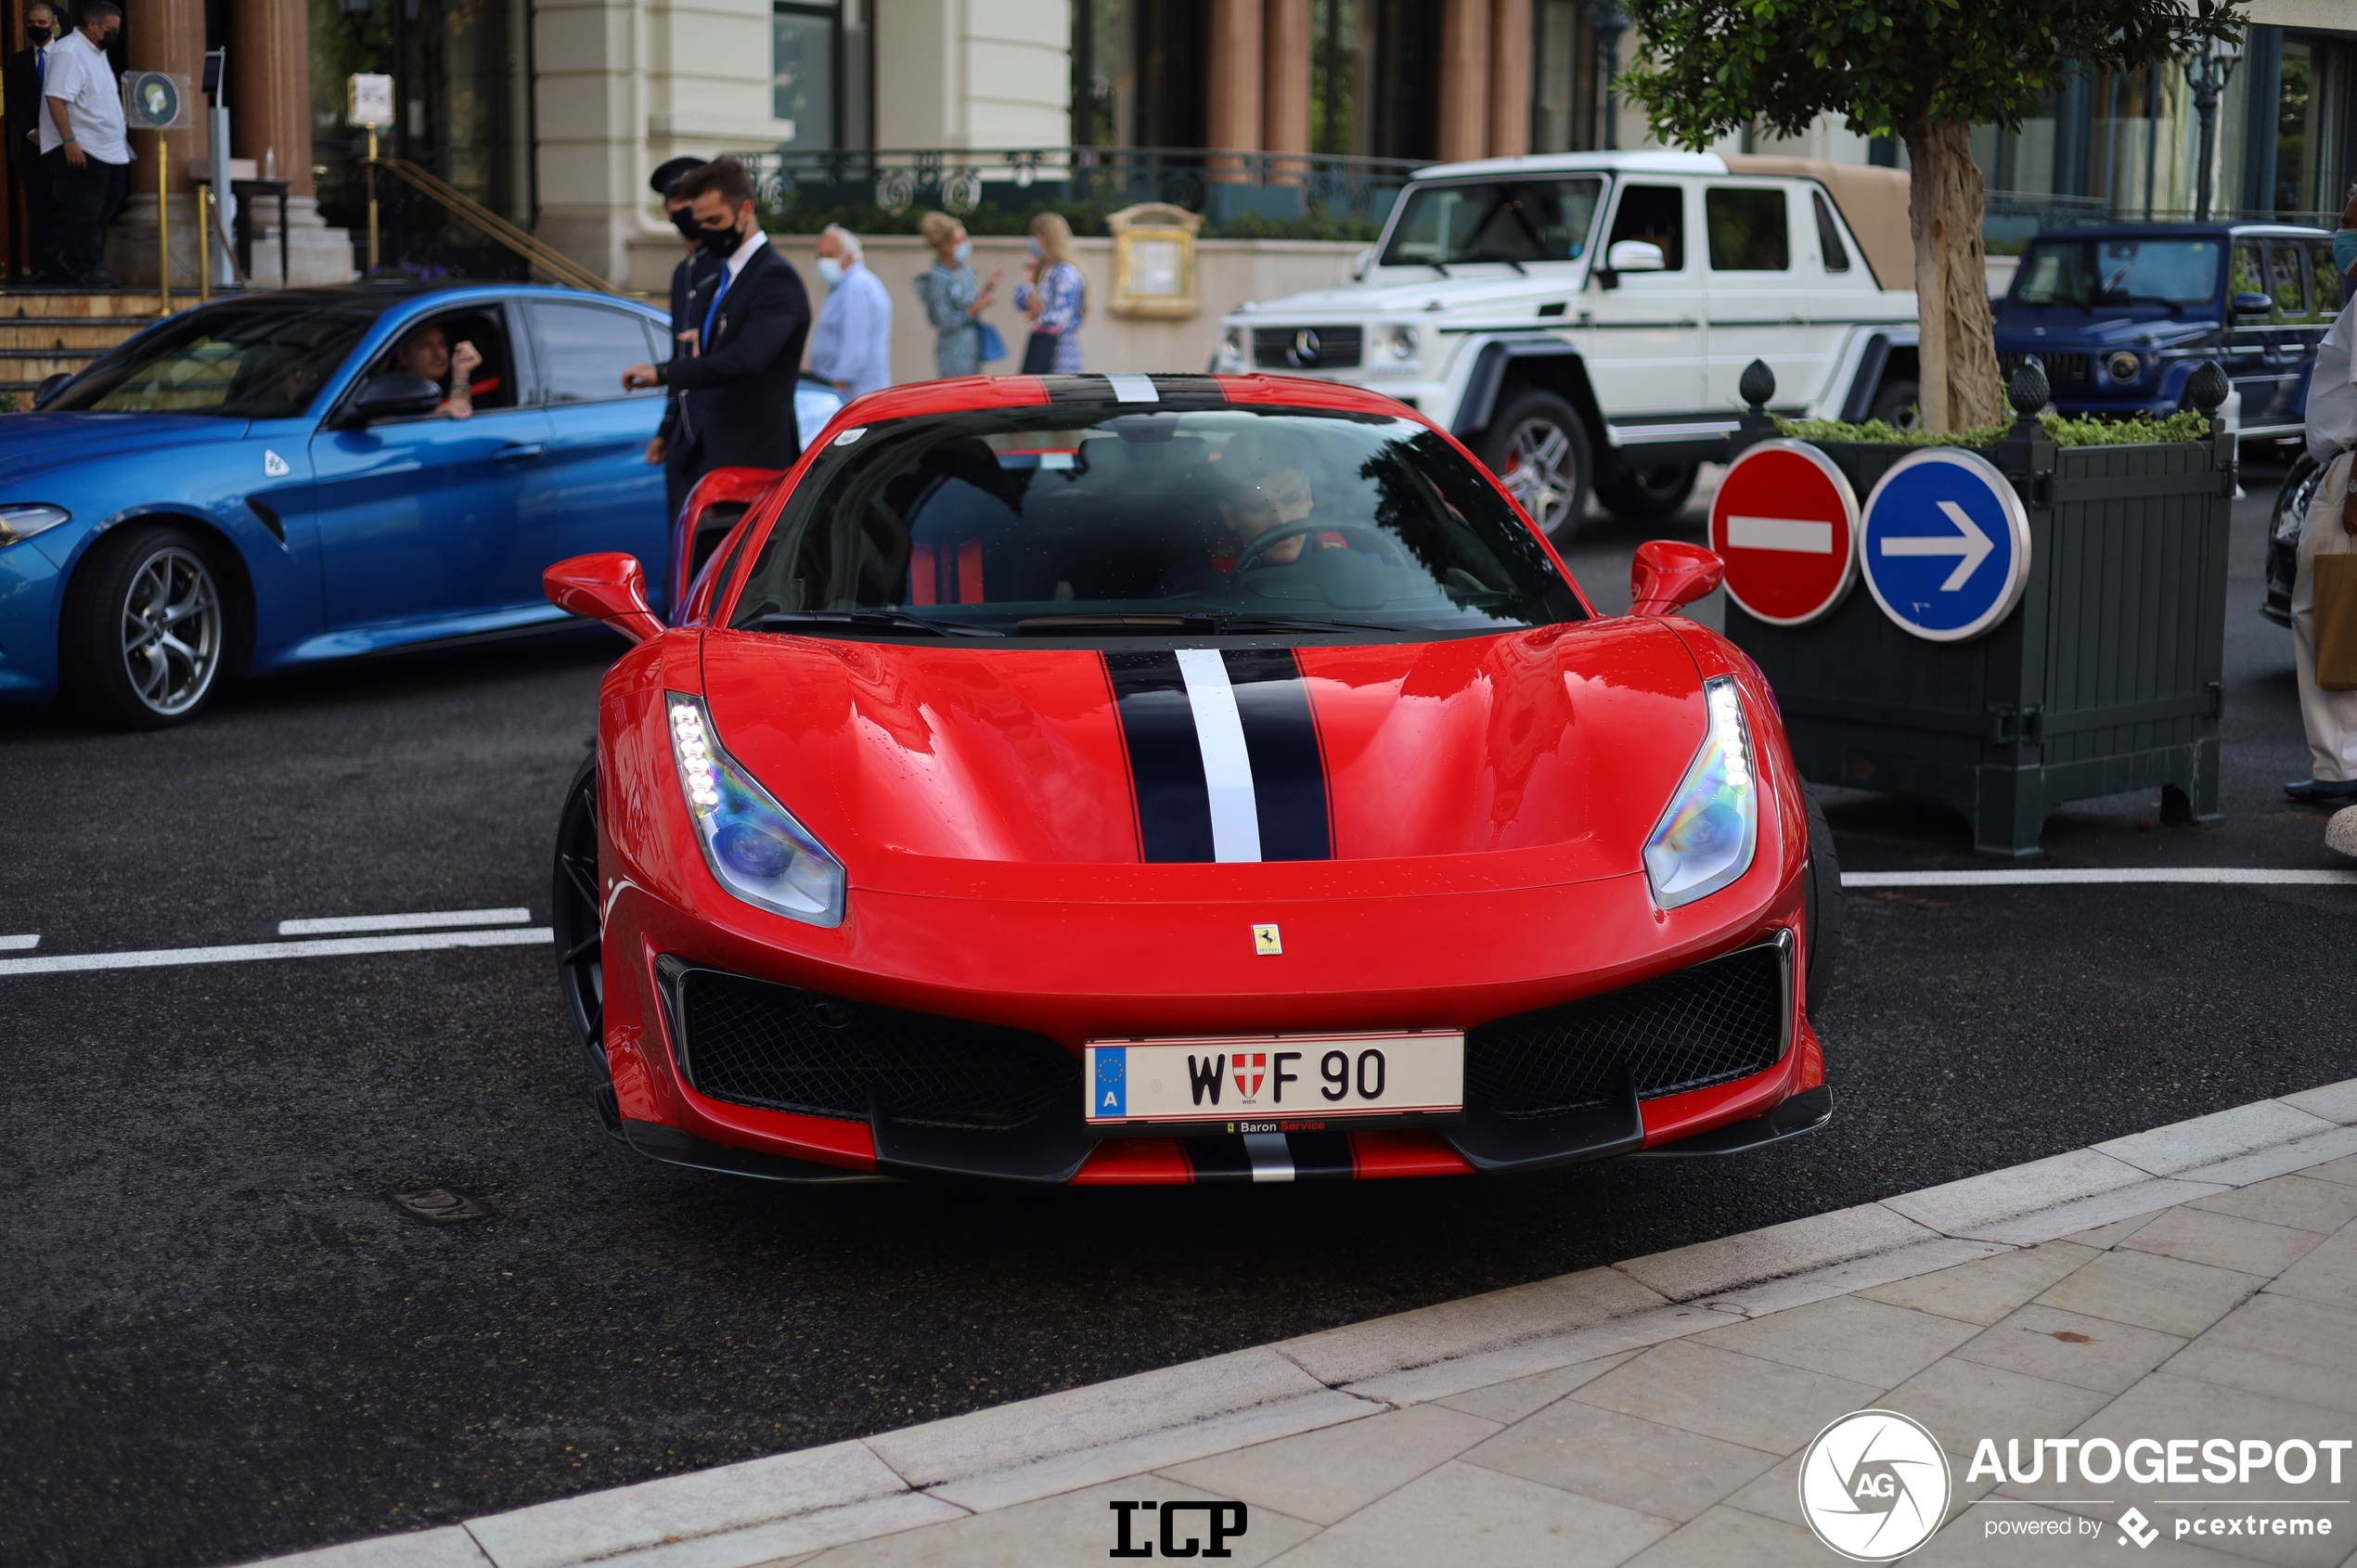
[2121, 316]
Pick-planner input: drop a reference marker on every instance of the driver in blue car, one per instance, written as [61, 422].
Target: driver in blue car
[427, 352]
[1266, 484]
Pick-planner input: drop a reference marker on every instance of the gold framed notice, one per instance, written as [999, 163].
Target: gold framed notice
[1154, 260]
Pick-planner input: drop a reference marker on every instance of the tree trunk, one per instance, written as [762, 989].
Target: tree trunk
[1958, 382]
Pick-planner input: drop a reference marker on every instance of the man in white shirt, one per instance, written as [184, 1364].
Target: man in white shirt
[84, 141]
[2330, 529]
[851, 346]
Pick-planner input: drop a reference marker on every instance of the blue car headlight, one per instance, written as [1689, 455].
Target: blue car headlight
[19, 524]
[1706, 838]
[755, 848]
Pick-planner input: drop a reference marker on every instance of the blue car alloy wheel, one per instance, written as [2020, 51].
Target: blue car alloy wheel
[148, 625]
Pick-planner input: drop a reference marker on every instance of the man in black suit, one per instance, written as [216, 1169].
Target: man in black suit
[26, 69]
[750, 319]
[671, 445]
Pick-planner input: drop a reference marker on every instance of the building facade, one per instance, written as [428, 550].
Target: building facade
[550, 114]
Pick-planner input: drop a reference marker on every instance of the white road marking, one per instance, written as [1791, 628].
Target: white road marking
[331, 924]
[1799, 535]
[20, 943]
[1971, 542]
[2103, 876]
[1227, 766]
[247, 951]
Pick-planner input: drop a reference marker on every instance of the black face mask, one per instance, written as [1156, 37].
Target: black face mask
[36, 35]
[720, 242]
[685, 222]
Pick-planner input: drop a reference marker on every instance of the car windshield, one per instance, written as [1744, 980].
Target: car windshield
[2089, 273]
[1071, 520]
[258, 359]
[1495, 221]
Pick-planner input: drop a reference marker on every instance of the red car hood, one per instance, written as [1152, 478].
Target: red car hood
[1544, 756]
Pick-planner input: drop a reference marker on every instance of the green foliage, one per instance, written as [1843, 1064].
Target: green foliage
[1715, 66]
[1086, 218]
[2086, 429]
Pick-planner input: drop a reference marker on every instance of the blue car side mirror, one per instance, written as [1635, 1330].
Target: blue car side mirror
[2253, 305]
[396, 394]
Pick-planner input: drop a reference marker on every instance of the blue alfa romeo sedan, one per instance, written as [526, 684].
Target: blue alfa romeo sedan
[2121, 315]
[270, 482]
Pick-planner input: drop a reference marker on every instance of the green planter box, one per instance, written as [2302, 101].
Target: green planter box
[2104, 678]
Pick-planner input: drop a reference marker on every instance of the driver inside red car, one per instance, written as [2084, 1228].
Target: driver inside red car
[1266, 486]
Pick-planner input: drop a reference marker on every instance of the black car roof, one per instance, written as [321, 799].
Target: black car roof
[2180, 231]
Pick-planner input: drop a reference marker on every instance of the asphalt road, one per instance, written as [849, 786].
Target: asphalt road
[219, 1337]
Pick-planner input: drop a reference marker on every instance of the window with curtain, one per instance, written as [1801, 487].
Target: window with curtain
[802, 70]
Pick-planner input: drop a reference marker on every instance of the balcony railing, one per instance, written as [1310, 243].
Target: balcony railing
[1221, 185]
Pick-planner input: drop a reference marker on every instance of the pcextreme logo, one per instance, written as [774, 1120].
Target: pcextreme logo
[1874, 1485]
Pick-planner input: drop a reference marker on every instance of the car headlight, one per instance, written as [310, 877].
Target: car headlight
[1706, 838]
[1403, 342]
[20, 523]
[2124, 366]
[755, 848]
[1230, 360]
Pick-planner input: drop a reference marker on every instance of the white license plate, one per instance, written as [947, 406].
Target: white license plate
[1275, 1082]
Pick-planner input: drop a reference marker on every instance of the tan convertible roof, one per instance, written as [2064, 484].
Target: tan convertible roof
[1872, 202]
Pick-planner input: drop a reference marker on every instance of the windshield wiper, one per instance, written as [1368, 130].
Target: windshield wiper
[880, 620]
[1440, 267]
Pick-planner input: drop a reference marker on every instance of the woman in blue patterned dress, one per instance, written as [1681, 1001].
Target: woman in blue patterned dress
[953, 299]
[1057, 299]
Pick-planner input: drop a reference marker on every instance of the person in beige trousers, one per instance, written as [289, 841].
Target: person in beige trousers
[2330, 528]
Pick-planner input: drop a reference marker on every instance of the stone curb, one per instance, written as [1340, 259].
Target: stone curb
[742, 1514]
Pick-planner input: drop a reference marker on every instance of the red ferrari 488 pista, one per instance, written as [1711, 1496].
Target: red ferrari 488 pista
[1129, 780]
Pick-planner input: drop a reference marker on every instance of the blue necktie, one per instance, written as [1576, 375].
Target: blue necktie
[703, 343]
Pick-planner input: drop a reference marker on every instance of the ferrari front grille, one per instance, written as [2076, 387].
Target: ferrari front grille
[1713, 1024]
[780, 1048]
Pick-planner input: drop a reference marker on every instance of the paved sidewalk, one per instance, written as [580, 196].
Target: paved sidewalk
[2196, 1281]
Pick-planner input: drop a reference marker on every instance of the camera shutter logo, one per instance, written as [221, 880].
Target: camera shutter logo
[1874, 1485]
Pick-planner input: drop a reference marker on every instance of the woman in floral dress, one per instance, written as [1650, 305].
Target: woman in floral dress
[1056, 299]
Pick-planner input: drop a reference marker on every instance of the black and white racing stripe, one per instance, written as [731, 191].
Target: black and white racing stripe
[1223, 754]
[1164, 393]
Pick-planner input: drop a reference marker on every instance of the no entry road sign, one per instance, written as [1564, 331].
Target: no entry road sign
[1946, 545]
[1785, 523]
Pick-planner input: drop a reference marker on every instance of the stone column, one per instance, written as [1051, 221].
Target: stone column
[1464, 80]
[166, 35]
[270, 88]
[1284, 78]
[1509, 51]
[1231, 116]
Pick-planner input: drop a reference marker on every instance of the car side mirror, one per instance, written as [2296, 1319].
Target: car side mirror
[610, 587]
[50, 387]
[1362, 264]
[396, 394]
[1667, 575]
[1635, 255]
[2253, 305]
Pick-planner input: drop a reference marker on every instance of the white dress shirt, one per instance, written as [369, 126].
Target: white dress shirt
[80, 73]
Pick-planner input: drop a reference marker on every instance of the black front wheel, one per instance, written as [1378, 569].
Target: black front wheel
[146, 634]
[1539, 450]
[578, 915]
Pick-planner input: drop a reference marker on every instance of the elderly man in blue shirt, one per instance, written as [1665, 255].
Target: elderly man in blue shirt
[851, 346]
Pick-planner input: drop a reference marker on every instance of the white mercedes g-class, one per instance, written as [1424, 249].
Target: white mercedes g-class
[1568, 361]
